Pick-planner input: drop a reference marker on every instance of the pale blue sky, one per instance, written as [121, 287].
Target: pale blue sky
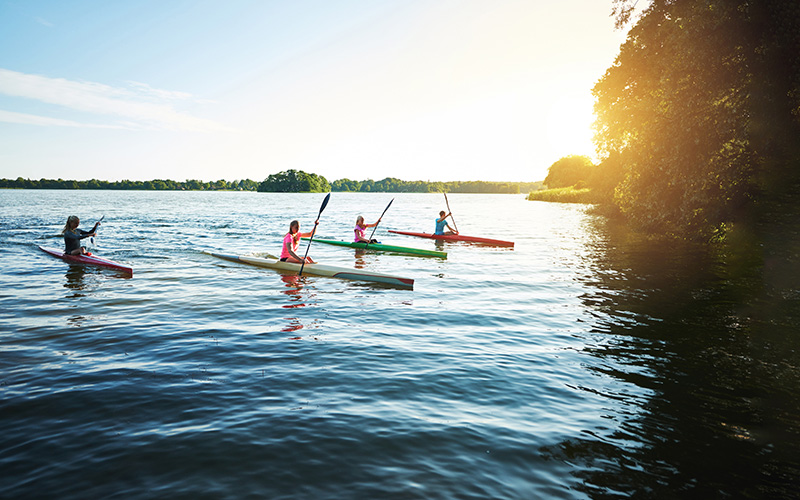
[417, 89]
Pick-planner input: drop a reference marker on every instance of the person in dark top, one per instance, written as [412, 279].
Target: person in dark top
[73, 236]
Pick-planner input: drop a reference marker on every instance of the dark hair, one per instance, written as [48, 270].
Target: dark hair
[292, 224]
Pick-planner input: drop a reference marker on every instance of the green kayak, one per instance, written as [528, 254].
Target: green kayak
[380, 247]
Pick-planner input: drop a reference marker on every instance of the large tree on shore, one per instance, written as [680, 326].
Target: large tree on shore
[701, 110]
[568, 171]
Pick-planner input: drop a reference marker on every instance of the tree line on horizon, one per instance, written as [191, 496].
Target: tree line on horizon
[154, 185]
[698, 119]
[294, 181]
[290, 181]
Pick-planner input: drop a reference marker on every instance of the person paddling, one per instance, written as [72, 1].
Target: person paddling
[292, 240]
[441, 223]
[73, 236]
[359, 230]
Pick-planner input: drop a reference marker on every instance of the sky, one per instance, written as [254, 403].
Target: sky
[433, 90]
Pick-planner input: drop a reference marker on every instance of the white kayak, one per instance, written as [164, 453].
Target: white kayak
[347, 273]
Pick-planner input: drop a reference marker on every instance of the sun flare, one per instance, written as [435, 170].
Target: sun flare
[569, 125]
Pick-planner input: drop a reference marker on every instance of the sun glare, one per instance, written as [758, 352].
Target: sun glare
[569, 125]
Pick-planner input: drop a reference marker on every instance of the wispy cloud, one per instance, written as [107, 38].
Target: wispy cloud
[28, 119]
[137, 106]
[44, 22]
[147, 92]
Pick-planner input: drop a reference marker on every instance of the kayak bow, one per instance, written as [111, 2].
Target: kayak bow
[273, 262]
[384, 248]
[87, 259]
[457, 237]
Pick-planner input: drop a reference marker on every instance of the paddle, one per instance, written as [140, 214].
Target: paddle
[376, 224]
[324, 204]
[450, 212]
[91, 238]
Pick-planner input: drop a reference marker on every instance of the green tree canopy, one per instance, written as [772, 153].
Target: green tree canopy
[345, 185]
[294, 181]
[569, 171]
[699, 112]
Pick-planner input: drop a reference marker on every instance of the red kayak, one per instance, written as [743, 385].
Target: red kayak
[87, 259]
[457, 237]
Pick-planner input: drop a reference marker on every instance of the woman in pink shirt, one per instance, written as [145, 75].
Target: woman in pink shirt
[292, 240]
[359, 230]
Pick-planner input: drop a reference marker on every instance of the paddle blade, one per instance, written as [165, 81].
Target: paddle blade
[324, 204]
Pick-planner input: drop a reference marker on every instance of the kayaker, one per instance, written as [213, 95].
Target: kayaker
[73, 236]
[292, 240]
[359, 230]
[441, 223]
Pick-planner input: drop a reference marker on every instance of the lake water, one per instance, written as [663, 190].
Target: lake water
[583, 363]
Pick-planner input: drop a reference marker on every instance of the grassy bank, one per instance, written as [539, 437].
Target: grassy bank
[564, 195]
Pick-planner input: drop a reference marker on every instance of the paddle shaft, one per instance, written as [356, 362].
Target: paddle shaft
[450, 212]
[313, 232]
[91, 240]
[98, 222]
[376, 224]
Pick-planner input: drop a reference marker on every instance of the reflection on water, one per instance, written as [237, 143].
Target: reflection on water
[719, 354]
[295, 288]
[299, 295]
[359, 262]
[75, 279]
[294, 283]
[77, 321]
[293, 326]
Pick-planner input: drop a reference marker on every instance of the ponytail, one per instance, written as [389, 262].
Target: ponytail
[70, 219]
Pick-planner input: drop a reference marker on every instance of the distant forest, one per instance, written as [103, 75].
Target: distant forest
[154, 185]
[293, 181]
[297, 181]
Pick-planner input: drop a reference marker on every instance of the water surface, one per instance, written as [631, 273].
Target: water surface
[584, 363]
